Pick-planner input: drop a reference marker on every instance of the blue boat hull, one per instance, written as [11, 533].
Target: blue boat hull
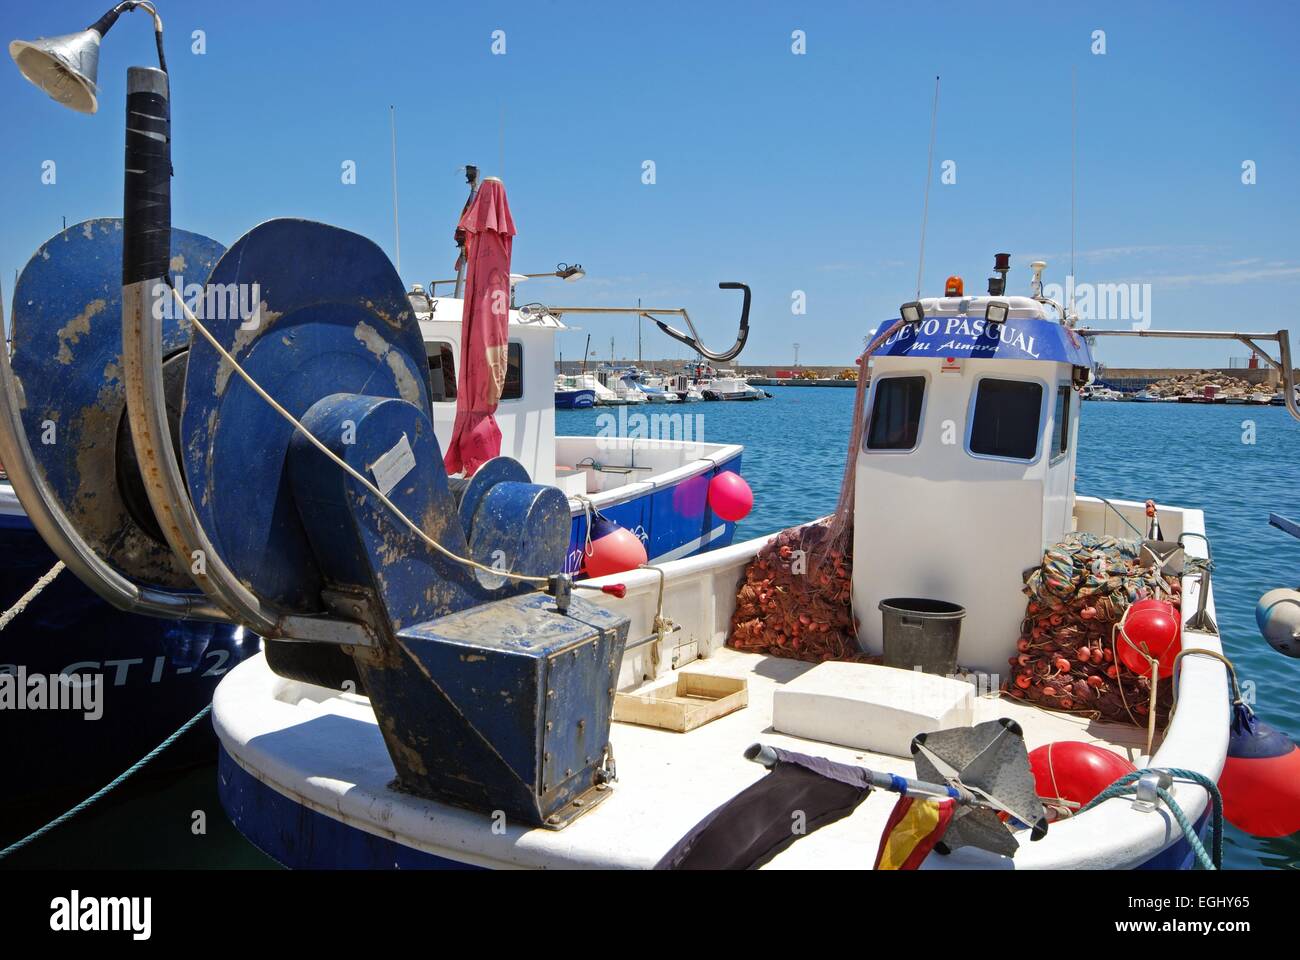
[156, 675]
[672, 521]
[574, 399]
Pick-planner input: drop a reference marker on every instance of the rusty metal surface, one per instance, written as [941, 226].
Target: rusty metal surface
[67, 363]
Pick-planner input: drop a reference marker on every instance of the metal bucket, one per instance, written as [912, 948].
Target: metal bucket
[921, 634]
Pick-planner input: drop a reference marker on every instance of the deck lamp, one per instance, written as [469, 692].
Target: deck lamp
[996, 311]
[912, 312]
[562, 271]
[66, 66]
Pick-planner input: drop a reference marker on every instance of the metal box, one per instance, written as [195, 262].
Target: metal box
[511, 708]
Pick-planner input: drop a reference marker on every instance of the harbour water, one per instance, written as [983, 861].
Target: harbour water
[1236, 463]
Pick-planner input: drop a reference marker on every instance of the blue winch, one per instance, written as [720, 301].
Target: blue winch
[177, 489]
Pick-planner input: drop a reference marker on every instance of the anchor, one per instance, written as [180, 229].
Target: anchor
[264, 455]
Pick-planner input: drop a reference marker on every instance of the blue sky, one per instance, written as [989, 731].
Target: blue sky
[790, 172]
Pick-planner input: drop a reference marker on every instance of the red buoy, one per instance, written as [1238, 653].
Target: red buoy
[730, 497]
[1150, 628]
[1260, 782]
[1075, 771]
[613, 549]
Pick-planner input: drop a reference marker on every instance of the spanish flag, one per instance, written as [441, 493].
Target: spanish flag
[914, 827]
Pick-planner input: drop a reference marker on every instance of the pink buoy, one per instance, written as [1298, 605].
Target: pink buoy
[614, 549]
[730, 497]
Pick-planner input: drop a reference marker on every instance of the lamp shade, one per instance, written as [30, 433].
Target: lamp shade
[65, 67]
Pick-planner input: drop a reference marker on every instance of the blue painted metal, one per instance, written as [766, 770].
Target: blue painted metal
[486, 694]
[1024, 339]
[515, 711]
[496, 470]
[1285, 524]
[494, 705]
[67, 358]
[334, 319]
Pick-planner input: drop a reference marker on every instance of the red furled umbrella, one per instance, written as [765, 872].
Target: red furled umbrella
[485, 320]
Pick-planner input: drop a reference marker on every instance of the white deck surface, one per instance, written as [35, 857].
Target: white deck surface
[667, 781]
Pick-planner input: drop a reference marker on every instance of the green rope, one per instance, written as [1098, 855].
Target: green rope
[1123, 787]
[103, 792]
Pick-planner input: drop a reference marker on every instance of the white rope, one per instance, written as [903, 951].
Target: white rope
[346, 467]
[588, 508]
[30, 595]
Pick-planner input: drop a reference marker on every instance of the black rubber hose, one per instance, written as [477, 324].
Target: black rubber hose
[146, 202]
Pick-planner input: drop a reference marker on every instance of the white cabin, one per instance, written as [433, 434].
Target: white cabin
[966, 471]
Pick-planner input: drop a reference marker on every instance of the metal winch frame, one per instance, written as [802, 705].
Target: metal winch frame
[431, 598]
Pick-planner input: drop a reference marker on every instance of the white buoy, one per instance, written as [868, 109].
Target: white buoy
[1278, 616]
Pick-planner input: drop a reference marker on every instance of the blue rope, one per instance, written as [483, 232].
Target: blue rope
[1208, 861]
[105, 791]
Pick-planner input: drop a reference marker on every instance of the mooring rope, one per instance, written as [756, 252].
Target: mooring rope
[108, 788]
[342, 464]
[21, 604]
[1124, 786]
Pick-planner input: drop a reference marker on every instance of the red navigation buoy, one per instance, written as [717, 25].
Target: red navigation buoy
[1260, 782]
[1075, 771]
[1149, 628]
[730, 496]
[614, 549]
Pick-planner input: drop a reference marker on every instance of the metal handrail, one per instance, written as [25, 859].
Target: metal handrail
[692, 339]
[1282, 338]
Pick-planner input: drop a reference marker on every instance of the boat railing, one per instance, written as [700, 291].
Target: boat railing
[1283, 363]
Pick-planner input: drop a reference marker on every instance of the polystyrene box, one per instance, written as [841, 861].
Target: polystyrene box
[870, 707]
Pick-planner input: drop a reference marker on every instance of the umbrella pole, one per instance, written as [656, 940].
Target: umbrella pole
[471, 177]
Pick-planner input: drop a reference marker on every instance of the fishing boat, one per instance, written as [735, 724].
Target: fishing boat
[316, 800]
[437, 690]
[638, 472]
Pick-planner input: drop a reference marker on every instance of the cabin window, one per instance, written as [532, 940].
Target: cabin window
[896, 413]
[1005, 419]
[514, 387]
[442, 372]
[1062, 434]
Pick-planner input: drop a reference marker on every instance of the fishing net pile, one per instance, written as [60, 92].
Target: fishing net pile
[795, 600]
[1066, 660]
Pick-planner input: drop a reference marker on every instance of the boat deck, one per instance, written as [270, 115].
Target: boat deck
[667, 781]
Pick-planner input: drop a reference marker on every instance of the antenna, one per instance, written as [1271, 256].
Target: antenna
[397, 232]
[501, 145]
[1074, 165]
[929, 175]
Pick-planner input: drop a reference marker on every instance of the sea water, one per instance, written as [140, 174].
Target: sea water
[1236, 463]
